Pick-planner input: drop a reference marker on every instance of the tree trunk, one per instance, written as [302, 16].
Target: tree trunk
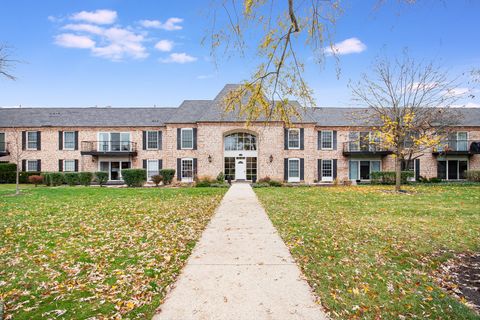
[17, 182]
[398, 173]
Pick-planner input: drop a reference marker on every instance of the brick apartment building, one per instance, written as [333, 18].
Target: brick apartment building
[198, 138]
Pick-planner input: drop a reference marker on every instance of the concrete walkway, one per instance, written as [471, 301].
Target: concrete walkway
[240, 269]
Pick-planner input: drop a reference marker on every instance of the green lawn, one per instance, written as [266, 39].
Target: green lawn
[80, 252]
[370, 254]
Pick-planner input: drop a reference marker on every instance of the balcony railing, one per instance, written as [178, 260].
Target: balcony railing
[362, 147]
[457, 147]
[3, 149]
[111, 148]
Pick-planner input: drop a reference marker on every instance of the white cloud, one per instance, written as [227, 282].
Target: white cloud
[170, 25]
[348, 46]
[90, 28]
[179, 58]
[121, 43]
[164, 45]
[97, 17]
[69, 40]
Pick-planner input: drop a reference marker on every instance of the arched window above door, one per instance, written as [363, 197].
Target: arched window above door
[240, 141]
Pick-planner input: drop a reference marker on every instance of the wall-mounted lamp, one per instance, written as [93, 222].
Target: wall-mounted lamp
[271, 158]
[209, 158]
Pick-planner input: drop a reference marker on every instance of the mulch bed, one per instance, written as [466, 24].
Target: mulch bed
[460, 277]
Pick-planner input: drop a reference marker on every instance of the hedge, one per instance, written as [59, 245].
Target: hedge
[389, 177]
[10, 177]
[134, 177]
[85, 178]
[53, 178]
[473, 175]
[101, 177]
[71, 178]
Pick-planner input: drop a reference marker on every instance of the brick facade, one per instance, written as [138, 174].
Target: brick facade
[210, 148]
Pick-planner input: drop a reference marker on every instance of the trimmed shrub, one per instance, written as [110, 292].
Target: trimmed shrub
[473, 175]
[134, 177]
[35, 179]
[53, 178]
[388, 177]
[435, 180]
[260, 185]
[157, 179]
[101, 177]
[71, 178]
[85, 178]
[8, 167]
[221, 177]
[275, 183]
[168, 175]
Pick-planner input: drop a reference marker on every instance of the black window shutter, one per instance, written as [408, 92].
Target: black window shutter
[76, 165]
[39, 165]
[319, 169]
[60, 165]
[145, 164]
[285, 169]
[24, 140]
[24, 165]
[60, 140]
[194, 138]
[76, 140]
[39, 140]
[334, 140]
[442, 169]
[179, 138]
[285, 138]
[334, 168]
[179, 169]
[319, 140]
[302, 172]
[417, 169]
[144, 140]
[160, 164]
[302, 145]
[160, 140]
[195, 162]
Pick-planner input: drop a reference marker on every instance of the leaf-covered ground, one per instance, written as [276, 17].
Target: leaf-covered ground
[89, 252]
[370, 253]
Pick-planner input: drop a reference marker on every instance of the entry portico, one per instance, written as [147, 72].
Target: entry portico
[240, 155]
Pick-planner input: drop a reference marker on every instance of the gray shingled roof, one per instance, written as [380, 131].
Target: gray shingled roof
[190, 111]
[84, 117]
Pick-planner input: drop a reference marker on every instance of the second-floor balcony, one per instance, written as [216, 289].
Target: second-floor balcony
[4, 149]
[457, 147]
[361, 147]
[109, 148]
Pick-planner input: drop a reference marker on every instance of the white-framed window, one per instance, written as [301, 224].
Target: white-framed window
[327, 140]
[327, 170]
[3, 146]
[69, 165]
[32, 165]
[186, 138]
[68, 140]
[152, 168]
[361, 169]
[114, 141]
[187, 170]
[32, 140]
[293, 138]
[294, 170]
[152, 140]
[462, 141]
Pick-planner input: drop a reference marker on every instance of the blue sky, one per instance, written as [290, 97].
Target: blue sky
[144, 53]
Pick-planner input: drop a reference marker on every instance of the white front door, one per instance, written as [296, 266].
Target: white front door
[240, 169]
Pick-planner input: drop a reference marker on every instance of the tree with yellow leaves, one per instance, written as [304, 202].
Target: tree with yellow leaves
[410, 107]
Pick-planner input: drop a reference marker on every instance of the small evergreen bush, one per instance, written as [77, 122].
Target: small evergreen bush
[101, 177]
[221, 177]
[85, 178]
[134, 177]
[71, 178]
[168, 175]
